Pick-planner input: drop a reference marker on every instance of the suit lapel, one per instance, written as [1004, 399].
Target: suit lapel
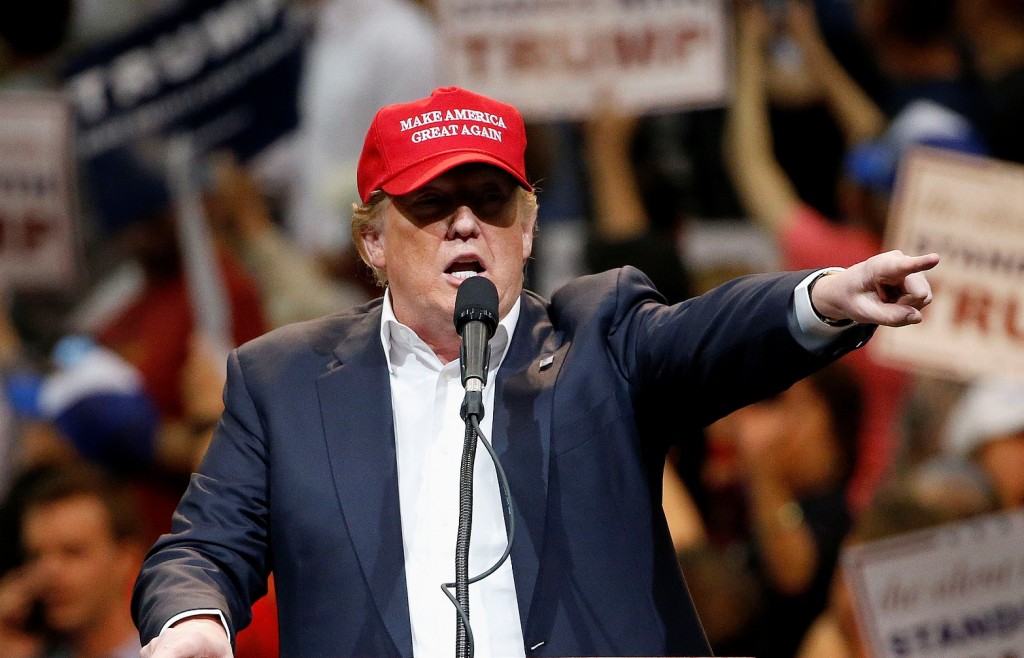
[361, 449]
[355, 403]
[522, 436]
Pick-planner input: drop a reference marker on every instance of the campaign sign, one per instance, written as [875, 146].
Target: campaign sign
[225, 72]
[37, 191]
[955, 591]
[556, 58]
[202, 63]
[970, 210]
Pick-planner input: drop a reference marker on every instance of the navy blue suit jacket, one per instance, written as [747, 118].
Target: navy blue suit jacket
[301, 476]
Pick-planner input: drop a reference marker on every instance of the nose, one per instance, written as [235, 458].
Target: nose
[463, 224]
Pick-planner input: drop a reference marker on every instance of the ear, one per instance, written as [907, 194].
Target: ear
[373, 244]
[528, 230]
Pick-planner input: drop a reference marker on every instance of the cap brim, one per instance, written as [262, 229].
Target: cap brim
[421, 173]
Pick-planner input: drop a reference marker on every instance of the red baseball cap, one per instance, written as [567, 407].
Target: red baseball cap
[410, 144]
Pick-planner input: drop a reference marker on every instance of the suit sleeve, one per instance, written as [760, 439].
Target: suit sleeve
[216, 555]
[719, 351]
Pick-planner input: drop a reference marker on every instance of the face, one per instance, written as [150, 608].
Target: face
[466, 222]
[793, 430]
[82, 572]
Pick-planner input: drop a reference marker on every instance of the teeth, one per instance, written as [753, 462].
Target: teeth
[465, 274]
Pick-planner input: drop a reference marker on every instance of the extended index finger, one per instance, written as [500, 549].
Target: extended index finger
[903, 265]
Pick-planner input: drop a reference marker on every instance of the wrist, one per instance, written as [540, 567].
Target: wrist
[830, 321]
[200, 615]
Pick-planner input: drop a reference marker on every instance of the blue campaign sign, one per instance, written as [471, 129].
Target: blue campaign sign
[225, 71]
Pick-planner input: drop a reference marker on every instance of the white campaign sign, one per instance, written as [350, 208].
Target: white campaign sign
[971, 211]
[555, 59]
[37, 197]
[955, 591]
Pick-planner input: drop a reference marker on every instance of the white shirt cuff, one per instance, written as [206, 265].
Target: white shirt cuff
[809, 330]
[196, 613]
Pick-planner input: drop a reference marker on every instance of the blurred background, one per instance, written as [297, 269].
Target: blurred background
[177, 177]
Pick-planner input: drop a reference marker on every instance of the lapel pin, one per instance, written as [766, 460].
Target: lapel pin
[546, 361]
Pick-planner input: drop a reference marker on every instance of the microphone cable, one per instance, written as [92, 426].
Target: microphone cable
[509, 532]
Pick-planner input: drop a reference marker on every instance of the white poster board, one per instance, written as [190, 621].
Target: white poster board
[971, 211]
[37, 191]
[951, 592]
[554, 59]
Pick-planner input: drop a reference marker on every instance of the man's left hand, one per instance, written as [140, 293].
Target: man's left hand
[889, 289]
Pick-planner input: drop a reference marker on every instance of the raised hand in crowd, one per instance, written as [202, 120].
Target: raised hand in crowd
[182, 442]
[619, 213]
[18, 589]
[293, 286]
[858, 116]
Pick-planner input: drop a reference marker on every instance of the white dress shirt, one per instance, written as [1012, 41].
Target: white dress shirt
[429, 434]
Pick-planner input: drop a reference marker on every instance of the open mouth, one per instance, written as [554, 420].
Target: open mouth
[464, 269]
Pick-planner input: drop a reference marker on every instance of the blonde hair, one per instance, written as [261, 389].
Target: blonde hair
[369, 218]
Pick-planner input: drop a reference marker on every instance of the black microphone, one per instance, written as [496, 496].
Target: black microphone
[476, 318]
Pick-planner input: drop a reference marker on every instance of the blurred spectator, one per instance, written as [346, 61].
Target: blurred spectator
[88, 403]
[97, 402]
[808, 143]
[20, 625]
[365, 54]
[82, 542]
[996, 30]
[797, 452]
[153, 329]
[806, 239]
[793, 457]
[987, 426]
[293, 287]
[872, 165]
[29, 438]
[917, 46]
[930, 494]
[150, 324]
[622, 232]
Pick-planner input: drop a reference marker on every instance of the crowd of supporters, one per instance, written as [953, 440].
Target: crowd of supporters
[112, 390]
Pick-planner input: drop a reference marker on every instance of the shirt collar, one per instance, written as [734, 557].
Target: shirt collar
[399, 339]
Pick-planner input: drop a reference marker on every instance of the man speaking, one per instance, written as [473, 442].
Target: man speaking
[336, 463]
